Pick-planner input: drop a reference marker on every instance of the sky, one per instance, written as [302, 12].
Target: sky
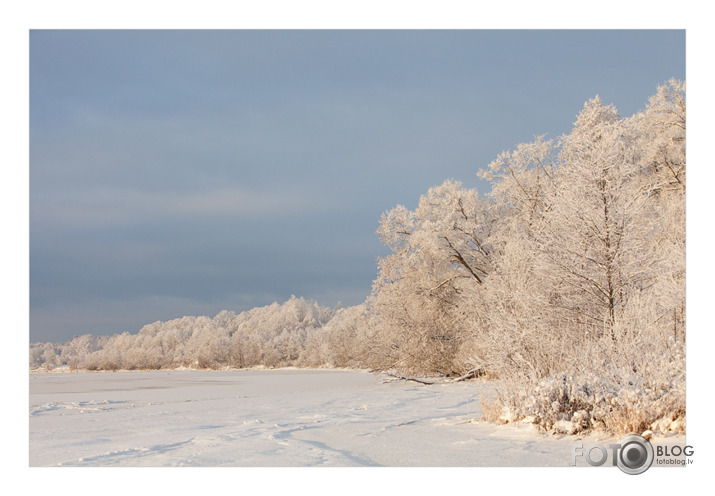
[182, 173]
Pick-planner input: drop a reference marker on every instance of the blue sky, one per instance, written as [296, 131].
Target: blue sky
[186, 172]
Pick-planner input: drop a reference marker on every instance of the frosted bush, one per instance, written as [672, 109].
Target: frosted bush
[571, 404]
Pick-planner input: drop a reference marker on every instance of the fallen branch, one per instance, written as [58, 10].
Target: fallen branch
[414, 379]
[469, 375]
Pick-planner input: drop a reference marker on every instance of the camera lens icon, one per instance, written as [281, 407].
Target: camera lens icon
[636, 454]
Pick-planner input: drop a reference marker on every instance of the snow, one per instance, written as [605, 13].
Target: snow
[276, 418]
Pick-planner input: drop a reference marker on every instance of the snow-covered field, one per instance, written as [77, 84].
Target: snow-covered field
[278, 418]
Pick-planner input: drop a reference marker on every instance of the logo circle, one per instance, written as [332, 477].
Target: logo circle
[636, 454]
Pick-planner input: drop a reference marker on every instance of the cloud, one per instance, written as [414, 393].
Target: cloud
[122, 207]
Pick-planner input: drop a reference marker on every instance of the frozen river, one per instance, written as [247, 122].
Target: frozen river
[278, 418]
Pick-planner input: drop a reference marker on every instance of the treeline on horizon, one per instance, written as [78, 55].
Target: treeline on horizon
[565, 285]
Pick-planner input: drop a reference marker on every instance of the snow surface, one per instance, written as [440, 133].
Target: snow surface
[277, 418]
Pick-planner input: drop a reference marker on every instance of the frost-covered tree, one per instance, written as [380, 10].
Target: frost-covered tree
[594, 237]
[589, 283]
[661, 129]
[440, 254]
[509, 333]
[45, 355]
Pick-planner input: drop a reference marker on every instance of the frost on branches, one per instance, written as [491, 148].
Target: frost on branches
[565, 285]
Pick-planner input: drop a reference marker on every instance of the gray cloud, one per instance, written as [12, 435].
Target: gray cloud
[131, 206]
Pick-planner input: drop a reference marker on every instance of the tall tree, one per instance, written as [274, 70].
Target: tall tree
[440, 253]
[594, 237]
